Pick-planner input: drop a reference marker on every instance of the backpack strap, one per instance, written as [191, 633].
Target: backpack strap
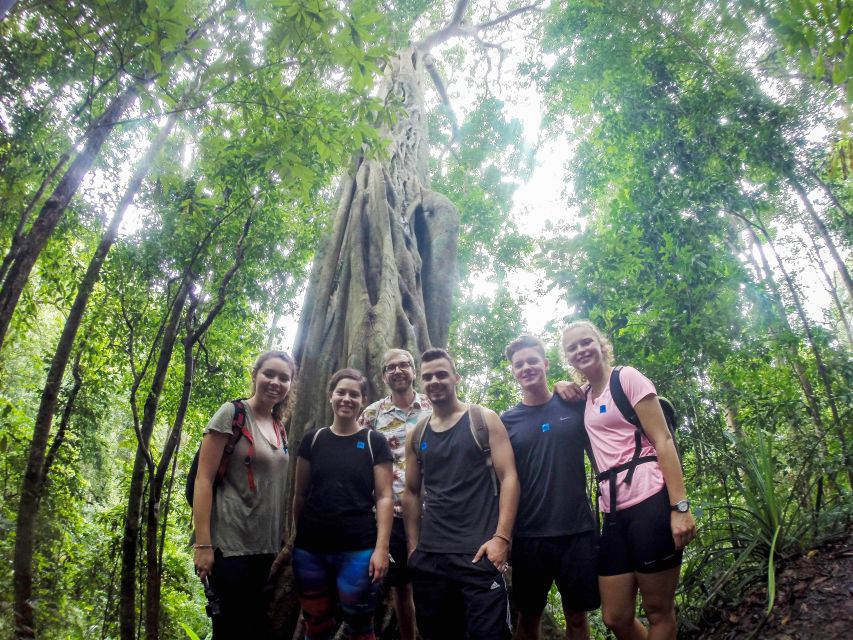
[624, 405]
[238, 424]
[316, 435]
[627, 410]
[370, 447]
[282, 434]
[417, 438]
[480, 431]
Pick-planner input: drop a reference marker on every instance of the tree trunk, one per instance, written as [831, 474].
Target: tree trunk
[33, 242]
[142, 464]
[833, 292]
[384, 277]
[823, 374]
[34, 474]
[67, 412]
[18, 234]
[6, 7]
[153, 550]
[386, 274]
[831, 195]
[824, 234]
[788, 350]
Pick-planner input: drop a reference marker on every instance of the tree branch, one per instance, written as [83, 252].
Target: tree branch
[448, 31]
[509, 15]
[432, 70]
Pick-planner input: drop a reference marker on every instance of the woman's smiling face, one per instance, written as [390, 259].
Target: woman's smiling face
[346, 398]
[582, 348]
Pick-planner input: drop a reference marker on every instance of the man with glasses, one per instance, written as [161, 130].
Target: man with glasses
[393, 416]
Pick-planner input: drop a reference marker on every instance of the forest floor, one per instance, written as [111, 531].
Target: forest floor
[814, 601]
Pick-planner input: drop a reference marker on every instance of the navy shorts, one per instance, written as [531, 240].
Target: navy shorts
[568, 561]
[638, 539]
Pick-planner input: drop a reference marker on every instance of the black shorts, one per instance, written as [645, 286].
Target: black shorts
[457, 599]
[398, 569]
[639, 539]
[570, 561]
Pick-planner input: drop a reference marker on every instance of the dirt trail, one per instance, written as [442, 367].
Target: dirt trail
[814, 601]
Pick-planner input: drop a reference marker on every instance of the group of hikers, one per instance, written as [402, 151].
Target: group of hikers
[435, 498]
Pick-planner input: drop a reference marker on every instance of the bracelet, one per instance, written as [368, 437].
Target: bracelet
[507, 540]
[202, 546]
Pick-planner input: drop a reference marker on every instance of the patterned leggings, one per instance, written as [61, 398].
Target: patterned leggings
[325, 578]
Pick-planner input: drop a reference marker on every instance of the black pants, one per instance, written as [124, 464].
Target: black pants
[239, 583]
[457, 599]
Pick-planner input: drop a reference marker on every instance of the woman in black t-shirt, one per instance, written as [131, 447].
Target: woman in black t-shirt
[343, 473]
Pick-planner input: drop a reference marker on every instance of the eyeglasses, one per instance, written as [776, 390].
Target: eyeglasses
[402, 366]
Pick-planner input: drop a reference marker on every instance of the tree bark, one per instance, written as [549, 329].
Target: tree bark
[34, 474]
[33, 242]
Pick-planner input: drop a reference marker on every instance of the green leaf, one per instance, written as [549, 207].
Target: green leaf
[190, 633]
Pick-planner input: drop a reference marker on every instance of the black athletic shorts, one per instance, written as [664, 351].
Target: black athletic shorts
[570, 561]
[398, 569]
[639, 539]
[456, 599]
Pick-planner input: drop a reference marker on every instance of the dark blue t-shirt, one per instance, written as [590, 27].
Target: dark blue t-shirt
[548, 442]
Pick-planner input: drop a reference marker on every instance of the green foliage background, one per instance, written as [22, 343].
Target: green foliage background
[711, 167]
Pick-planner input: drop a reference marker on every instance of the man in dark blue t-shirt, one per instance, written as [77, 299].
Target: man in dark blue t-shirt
[555, 536]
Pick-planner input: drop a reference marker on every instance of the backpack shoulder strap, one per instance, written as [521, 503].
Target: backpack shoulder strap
[370, 446]
[480, 431]
[238, 424]
[417, 436]
[621, 400]
[316, 435]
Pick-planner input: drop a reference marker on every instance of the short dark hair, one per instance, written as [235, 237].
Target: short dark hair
[352, 374]
[437, 354]
[525, 341]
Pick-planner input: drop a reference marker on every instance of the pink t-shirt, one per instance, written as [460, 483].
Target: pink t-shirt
[612, 439]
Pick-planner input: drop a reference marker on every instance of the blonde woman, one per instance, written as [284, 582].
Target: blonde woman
[647, 519]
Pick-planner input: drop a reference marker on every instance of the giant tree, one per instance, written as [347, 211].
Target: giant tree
[385, 275]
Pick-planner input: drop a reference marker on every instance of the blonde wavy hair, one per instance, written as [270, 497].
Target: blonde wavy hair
[606, 347]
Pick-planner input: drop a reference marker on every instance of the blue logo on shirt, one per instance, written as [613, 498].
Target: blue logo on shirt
[360, 445]
[423, 446]
[602, 409]
[546, 427]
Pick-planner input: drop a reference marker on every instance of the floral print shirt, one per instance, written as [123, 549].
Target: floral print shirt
[394, 423]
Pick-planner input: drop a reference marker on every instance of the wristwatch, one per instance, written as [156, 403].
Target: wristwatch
[682, 506]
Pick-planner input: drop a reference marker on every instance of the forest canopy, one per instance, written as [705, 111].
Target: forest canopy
[174, 175]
